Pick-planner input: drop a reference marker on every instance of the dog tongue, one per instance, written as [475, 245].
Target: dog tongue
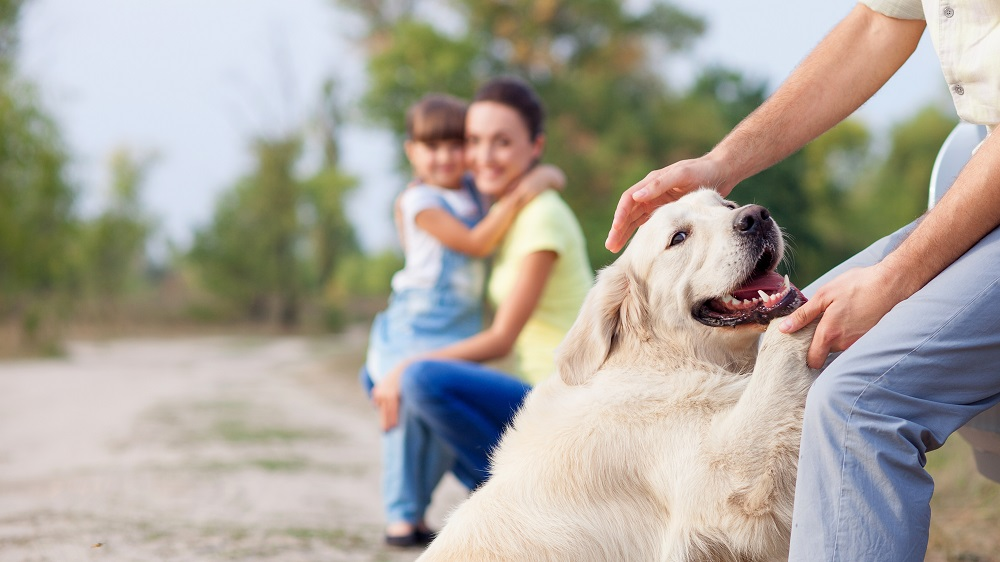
[770, 283]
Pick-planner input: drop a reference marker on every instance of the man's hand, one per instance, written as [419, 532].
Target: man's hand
[658, 188]
[386, 396]
[851, 304]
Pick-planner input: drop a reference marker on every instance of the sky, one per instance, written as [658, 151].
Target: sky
[189, 83]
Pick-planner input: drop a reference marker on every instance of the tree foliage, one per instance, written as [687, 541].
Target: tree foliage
[112, 246]
[37, 220]
[275, 238]
[895, 192]
[615, 114]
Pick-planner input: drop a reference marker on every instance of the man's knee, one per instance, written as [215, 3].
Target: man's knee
[835, 393]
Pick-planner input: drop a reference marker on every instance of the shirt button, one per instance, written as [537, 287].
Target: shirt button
[948, 11]
[958, 89]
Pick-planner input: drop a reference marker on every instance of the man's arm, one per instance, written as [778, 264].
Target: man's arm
[861, 53]
[854, 302]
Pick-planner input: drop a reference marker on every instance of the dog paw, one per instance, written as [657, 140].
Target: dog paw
[803, 336]
[793, 346]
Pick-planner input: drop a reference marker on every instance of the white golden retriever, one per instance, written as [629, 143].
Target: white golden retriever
[666, 435]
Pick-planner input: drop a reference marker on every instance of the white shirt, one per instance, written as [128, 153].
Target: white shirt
[966, 36]
[423, 252]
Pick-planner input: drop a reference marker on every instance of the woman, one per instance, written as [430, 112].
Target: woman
[539, 280]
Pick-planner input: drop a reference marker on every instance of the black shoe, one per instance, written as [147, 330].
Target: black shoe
[414, 539]
[402, 541]
[424, 537]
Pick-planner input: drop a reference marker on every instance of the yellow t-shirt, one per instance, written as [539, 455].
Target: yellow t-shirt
[545, 224]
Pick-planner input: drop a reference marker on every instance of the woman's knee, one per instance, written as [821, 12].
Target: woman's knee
[423, 380]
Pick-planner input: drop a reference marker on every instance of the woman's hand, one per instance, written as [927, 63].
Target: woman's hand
[851, 304]
[386, 396]
[660, 187]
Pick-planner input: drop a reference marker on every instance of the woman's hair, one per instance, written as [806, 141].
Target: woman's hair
[436, 117]
[519, 96]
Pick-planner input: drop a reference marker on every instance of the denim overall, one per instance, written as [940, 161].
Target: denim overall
[416, 321]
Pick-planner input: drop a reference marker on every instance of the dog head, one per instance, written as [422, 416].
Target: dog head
[699, 272]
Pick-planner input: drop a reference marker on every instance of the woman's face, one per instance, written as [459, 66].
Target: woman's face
[498, 146]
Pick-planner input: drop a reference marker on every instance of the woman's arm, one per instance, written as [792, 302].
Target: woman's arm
[482, 239]
[511, 316]
[492, 343]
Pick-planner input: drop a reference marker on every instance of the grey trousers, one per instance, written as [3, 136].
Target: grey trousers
[929, 366]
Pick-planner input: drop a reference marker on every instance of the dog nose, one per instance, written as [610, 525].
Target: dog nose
[750, 219]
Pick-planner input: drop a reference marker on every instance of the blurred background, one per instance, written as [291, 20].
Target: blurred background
[182, 166]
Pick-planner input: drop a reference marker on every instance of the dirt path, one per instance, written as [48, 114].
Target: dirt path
[224, 448]
[253, 449]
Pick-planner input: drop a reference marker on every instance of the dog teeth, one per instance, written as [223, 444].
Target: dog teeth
[765, 299]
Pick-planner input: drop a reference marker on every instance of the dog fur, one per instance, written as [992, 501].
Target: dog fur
[662, 438]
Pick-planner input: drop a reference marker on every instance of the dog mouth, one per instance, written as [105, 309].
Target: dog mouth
[762, 297]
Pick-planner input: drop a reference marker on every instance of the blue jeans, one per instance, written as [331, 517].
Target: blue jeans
[928, 367]
[465, 405]
[413, 462]
[416, 321]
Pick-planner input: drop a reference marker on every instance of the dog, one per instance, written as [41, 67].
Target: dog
[671, 430]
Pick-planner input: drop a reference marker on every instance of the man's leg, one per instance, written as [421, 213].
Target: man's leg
[927, 368]
[467, 406]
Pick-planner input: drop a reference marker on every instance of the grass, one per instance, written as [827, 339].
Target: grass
[291, 464]
[965, 508]
[226, 421]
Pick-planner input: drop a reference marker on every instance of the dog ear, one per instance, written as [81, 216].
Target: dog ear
[616, 307]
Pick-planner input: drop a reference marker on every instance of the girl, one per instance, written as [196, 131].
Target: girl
[437, 296]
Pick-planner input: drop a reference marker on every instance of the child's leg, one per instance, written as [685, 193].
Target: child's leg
[398, 491]
[413, 462]
[427, 458]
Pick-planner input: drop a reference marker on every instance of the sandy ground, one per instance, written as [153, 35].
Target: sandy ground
[221, 448]
[254, 449]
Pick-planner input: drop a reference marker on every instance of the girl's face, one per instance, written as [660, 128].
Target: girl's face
[440, 162]
[498, 146]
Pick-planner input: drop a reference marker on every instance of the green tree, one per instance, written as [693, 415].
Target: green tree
[895, 193]
[37, 222]
[246, 256]
[113, 244]
[275, 238]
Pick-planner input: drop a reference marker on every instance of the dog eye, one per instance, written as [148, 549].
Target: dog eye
[730, 205]
[678, 238]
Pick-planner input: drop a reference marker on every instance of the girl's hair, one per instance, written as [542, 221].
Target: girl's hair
[519, 96]
[436, 117]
